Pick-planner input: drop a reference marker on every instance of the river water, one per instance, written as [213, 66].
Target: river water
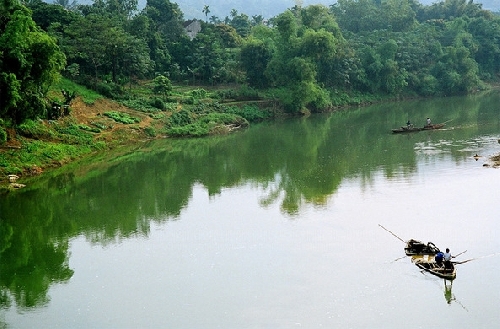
[277, 226]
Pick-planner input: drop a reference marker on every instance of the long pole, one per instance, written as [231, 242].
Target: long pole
[468, 260]
[392, 233]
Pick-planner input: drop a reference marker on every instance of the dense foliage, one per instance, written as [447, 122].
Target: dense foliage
[309, 58]
[30, 61]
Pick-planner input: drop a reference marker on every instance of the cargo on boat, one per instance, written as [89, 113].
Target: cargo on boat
[415, 247]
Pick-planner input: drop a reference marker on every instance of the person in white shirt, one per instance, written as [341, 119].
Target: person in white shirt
[447, 259]
[447, 255]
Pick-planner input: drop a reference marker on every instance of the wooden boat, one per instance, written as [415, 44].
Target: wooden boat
[415, 247]
[411, 129]
[428, 264]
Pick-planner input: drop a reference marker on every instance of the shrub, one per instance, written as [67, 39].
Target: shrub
[246, 93]
[34, 129]
[109, 89]
[199, 93]
[150, 131]
[226, 94]
[251, 113]
[158, 103]
[180, 118]
[140, 104]
[162, 85]
[75, 134]
[189, 100]
[91, 129]
[195, 130]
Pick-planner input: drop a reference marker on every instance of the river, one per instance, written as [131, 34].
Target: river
[276, 226]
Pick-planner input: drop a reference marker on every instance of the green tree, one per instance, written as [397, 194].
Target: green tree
[241, 24]
[45, 14]
[102, 48]
[486, 32]
[457, 71]
[255, 55]
[357, 15]
[30, 61]
[165, 32]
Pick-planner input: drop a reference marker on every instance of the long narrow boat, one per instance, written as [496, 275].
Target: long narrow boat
[404, 129]
[415, 247]
[428, 264]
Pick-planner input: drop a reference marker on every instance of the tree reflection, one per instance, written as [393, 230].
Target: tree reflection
[31, 261]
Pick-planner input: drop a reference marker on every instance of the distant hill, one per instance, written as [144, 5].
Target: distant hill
[270, 8]
[266, 8]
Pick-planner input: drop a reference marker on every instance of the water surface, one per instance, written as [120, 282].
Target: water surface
[276, 226]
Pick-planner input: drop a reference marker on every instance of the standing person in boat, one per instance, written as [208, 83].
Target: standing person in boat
[428, 122]
[408, 124]
[447, 259]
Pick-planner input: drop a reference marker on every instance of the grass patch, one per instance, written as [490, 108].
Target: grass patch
[41, 153]
[121, 117]
[203, 125]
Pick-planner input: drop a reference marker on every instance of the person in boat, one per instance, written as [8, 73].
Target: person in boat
[408, 124]
[439, 258]
[428, 122]
[447, 259]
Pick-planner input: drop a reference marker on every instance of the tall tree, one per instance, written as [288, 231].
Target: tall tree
[206, 11]
[255, 55]
[165, 32]
[30, 61]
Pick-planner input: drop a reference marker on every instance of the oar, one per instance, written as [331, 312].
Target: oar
[468, 260]
[392, 233]
[398, 259]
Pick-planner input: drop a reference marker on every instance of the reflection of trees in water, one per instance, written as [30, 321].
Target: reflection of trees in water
[32, 260]
[294, 162]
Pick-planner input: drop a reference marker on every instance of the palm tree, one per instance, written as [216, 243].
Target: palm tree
[206, 11]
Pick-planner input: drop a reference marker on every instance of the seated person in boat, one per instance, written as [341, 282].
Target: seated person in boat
[439, 258]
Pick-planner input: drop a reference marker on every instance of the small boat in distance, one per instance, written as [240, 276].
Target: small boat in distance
[411, 129]
[428, 264]
[415, 247]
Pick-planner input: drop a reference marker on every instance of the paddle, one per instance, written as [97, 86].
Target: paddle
[392, 233]
[398, 259]
[463, 252]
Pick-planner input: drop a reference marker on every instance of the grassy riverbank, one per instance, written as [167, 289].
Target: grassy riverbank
[97, 123]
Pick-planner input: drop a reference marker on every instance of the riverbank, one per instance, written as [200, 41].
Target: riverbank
[103, 124]
[96, 123]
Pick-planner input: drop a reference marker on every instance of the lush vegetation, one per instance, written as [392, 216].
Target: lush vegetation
[307, 59]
